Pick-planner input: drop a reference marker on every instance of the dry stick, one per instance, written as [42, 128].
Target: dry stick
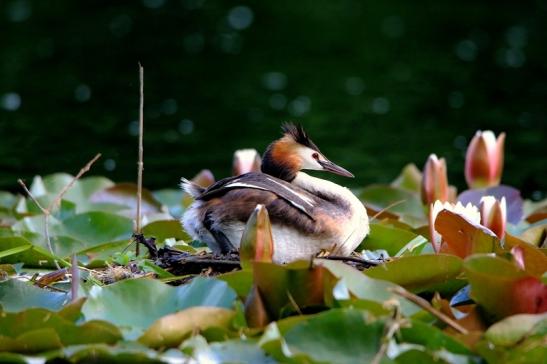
[75, 278]
[427, 306]
[385, 209]
[140, 164]
[47, 211]
[64, 190]
[393, 328]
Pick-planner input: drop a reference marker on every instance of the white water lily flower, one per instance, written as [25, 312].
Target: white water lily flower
[469, 212]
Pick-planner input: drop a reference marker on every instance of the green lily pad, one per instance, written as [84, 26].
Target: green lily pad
[410, 178]
[97, 227]
[337, 336]
[400, 201]
[353, 284]
[229, 351]
[30, 254]
[419, 273]
[388, 238]
[165, 229]
[16, 295]
[513, 329]
[126, 194]
[37, 330]
[431, 338]
[149, 300]
[491, 279]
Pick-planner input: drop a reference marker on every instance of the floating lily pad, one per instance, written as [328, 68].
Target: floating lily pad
[171, 330]
[16, 295]
[433, 270]
[149, 300]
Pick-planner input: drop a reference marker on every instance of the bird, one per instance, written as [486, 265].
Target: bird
[308, 215]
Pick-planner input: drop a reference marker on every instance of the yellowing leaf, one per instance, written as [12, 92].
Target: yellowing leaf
[171, 330]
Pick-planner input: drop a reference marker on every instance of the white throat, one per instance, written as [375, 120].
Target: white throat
[314, 185]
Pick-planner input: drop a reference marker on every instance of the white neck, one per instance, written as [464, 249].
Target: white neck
[314, 185]
[357, 226]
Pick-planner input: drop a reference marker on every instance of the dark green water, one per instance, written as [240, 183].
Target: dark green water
[377, 84]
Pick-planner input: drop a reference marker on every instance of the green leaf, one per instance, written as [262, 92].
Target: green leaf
[31, 255]
[97, 256]
[149, 300]
[410, 178]
[98, 227]
[386, 237]
[418, 273]
[240, 281]
[431, 338]
[170, 330]
[513, 329]
[402, 202]
[172, 199]
[229, 351]
[336, 336]
[165, 229]
[354, 284]
[18, 249]
[16, 296]
[492, 279]
[37, 330]
[126, 194]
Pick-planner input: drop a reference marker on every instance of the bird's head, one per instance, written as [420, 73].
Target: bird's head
[295, 151]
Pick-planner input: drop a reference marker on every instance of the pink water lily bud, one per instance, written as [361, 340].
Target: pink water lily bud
[434, 181]
[245, 161]
[494, 215]
[484, 160]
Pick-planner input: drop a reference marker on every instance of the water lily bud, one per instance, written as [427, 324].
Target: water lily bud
[204, 178]
[484, 160]
[494, 215]
[434, 181]
[245, 161]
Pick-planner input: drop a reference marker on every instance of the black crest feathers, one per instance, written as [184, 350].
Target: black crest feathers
[298, 134]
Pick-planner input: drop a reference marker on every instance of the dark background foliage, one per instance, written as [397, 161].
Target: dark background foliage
[377, 84]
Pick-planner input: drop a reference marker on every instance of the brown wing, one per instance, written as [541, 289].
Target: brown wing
[295, 197]
[238, 204]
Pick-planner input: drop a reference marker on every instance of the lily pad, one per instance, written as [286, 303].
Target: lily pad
[492, 281]
[38, 330]
[513, 329]
[433, 270]
[165, 229]
[357, 337]
[400, 201]
[126, 194]
[149, 300]
[16, 296]
[171, 330]
[388, 238]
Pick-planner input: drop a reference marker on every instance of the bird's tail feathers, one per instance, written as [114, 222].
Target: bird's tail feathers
[191, 188]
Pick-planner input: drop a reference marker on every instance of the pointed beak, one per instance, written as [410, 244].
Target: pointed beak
[331, 167]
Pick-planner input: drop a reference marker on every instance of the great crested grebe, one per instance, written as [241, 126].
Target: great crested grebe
[308, 214]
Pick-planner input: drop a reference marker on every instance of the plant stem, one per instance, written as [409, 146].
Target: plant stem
[140, 164]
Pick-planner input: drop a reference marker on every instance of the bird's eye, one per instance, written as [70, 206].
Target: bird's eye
[315, 156]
